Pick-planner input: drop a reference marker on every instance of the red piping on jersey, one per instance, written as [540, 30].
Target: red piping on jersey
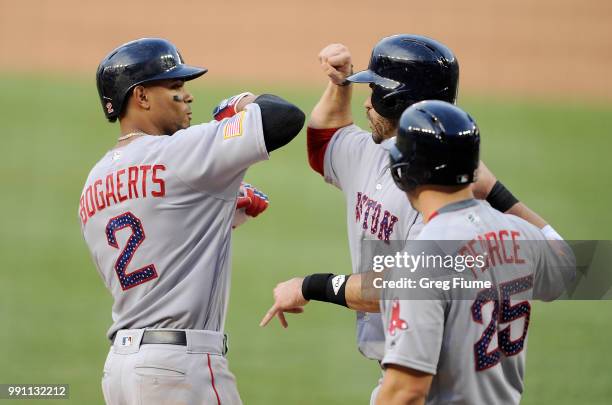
[433, 215]
[316, 143]
[212, 379]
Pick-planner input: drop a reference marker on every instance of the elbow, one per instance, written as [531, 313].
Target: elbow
[281, 120]
[409, 397]
[403, 385]
[295, 120]
[290, 122]
[316, 152]
[402, 396]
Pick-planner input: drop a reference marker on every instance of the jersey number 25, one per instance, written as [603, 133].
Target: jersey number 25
[503, 313]
[141, 275]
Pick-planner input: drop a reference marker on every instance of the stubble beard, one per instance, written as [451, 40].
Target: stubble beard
[381, 129]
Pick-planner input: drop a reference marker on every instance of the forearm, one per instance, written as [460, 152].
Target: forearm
[333, 109]
[502, 199]
[339, 289]
[355, 299]
[489, 188]
[522, 211]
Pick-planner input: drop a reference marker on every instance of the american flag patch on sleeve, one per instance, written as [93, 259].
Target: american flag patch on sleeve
[233, 126]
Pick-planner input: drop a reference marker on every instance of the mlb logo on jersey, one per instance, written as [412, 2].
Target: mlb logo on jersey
[233, 127]
[126, 341]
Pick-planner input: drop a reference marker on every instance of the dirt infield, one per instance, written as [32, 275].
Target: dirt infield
[525, 46]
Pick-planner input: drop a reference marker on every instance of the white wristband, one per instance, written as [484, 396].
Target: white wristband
[550, 233]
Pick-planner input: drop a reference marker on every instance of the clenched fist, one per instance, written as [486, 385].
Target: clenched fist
[336, 62]
[250, 203]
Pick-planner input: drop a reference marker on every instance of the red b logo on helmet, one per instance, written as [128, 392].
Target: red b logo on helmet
[109, 107]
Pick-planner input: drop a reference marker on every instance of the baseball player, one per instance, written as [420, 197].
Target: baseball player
[450, 345]
[156, 213]
[403, 69]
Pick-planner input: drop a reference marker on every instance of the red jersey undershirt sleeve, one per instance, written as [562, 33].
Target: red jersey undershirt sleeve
[317, 140]
[337, 153]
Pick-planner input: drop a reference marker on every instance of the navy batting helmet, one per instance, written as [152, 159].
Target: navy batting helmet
[405, 69]
[137, 62]
[437, 143]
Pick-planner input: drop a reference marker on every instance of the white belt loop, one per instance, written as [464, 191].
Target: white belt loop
[204, 341]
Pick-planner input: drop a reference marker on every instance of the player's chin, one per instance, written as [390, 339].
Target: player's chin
[183, 125]
[376, 136]
[186, 122]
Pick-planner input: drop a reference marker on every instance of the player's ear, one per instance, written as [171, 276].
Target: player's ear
[141, 97]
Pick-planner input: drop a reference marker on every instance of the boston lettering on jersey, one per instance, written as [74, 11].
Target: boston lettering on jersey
[125, 184]
[499, 248]
[369, 209]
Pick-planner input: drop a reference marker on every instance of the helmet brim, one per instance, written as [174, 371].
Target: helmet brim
[368, 76]
[184, 72]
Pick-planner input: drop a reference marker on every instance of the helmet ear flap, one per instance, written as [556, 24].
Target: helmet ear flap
[390, 104]
[404, 177]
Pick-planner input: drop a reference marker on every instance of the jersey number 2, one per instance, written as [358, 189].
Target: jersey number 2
[502, 313]
[137, 277]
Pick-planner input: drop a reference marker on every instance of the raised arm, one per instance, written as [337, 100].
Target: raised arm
[333, 111]
[334, 108]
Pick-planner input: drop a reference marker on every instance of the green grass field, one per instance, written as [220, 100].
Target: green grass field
[55, 311]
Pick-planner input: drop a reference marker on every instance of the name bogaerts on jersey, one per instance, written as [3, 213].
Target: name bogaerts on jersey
[121, 185]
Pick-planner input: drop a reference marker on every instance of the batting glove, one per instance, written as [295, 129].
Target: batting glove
[227, 107]
[252, 200]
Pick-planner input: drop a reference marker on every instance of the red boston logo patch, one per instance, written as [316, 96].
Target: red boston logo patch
[396, 321]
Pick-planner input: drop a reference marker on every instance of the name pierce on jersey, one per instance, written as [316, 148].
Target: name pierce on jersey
[125, 184]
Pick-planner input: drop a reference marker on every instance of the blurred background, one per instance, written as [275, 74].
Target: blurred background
[534, 74]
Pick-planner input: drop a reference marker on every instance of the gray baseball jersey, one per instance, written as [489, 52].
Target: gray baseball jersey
[156, 215]
[376, 210]
[474, 347]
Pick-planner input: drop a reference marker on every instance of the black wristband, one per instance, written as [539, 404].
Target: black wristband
[325, 287]
[346, 82]
[501, 198]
